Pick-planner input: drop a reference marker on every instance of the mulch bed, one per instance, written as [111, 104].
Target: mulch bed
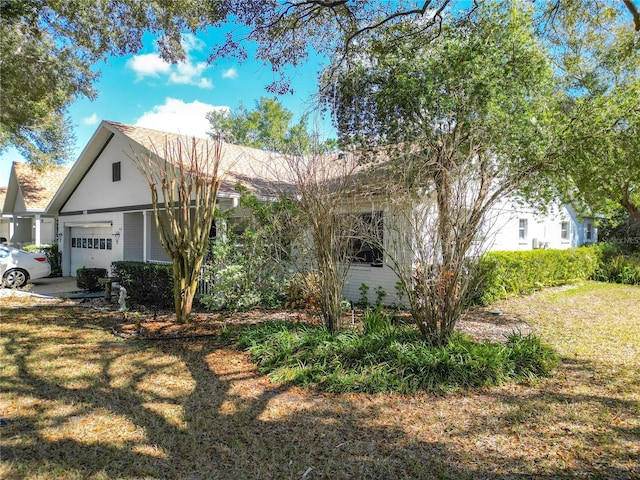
[480, 323]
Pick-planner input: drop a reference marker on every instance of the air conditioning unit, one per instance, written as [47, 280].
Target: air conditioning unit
[535, 243]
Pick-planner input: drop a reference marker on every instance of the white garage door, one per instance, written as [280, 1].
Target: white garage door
[91, 247]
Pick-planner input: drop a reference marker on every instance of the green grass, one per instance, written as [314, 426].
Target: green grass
[391, 360]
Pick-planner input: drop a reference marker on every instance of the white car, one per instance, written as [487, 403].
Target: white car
[18, 266]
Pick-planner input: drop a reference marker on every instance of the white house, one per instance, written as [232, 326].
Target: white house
[105, 214]
[104, 205]
[25, 220]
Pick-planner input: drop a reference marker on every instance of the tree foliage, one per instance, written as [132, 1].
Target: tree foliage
[286, 32]
[598, 63]
[460, 122]
[268, 127]
[47, 50]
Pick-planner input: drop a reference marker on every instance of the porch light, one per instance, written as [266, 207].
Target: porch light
[116, 236]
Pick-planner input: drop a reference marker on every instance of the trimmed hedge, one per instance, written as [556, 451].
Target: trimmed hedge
[504, 274]
[147, 284]
[87, 278]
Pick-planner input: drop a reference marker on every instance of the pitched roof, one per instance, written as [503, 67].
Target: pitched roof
[38, 185]
[252, 167]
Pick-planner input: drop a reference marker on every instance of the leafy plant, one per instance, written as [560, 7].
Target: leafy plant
[147, 284]
[391, 360]
[380, 294]
[250, 263]
[87, 278]
[363, 300]
[376, 320]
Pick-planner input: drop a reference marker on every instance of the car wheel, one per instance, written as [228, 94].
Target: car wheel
[15, 278]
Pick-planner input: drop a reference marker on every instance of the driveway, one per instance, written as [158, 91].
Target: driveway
[50, 287]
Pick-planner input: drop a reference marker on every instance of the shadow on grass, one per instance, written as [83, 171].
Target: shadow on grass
[90, 405]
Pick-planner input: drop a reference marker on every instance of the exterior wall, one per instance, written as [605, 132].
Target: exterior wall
[133, 236]
[541, 230]
[4, 228]
[98, 191]
[154, 248]
[373, 277]
[22, 232]
[501, 232]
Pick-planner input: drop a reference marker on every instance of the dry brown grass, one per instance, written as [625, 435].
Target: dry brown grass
[85, 404]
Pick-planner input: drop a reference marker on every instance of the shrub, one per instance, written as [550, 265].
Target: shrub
[241, 278]
[504, 274]
[147, 284]
[303, 290]
[616, 266]
[393, 360]
[87, 278]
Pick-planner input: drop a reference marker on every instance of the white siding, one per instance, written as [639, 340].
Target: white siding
[373, 277]
[97, 190]
[133, 236]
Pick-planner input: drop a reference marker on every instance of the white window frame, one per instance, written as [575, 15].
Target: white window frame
[523, 230]
[588, 232]
[565, 232]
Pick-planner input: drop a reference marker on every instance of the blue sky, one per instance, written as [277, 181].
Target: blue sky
[144, 90]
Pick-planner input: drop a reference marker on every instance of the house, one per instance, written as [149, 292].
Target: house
[508, 226]
[4, 222]
[104, 207]
[104, 211]
[25, 220]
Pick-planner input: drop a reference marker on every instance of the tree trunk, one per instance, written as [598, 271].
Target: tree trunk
[185, 284]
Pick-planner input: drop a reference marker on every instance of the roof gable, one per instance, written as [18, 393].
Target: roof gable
[250, 166]
[31, 188]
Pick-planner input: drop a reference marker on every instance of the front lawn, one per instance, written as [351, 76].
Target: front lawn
[82, 403]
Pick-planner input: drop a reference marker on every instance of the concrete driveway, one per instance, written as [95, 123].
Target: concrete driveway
[65, 287]
[54, 287]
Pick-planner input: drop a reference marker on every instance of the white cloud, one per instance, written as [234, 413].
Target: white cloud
[91, 120]
[230, 73]
[174, 115]
[190, 42]
[187, 72]
[148, 65]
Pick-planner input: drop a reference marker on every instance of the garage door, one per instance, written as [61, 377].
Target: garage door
[91, 247]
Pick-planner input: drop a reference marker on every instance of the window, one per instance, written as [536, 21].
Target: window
[367, 249]
[564, 231]
[589, 233]
[115, 172]
[522, 229]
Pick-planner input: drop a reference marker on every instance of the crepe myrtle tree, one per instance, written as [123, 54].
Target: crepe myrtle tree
[325, 186]
[184, 177]
[458, 123]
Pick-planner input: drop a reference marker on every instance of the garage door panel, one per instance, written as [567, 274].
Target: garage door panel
[91, 247]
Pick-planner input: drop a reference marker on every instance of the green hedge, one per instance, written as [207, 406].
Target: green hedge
[147, 284]
[87, 278]
[504, 274]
